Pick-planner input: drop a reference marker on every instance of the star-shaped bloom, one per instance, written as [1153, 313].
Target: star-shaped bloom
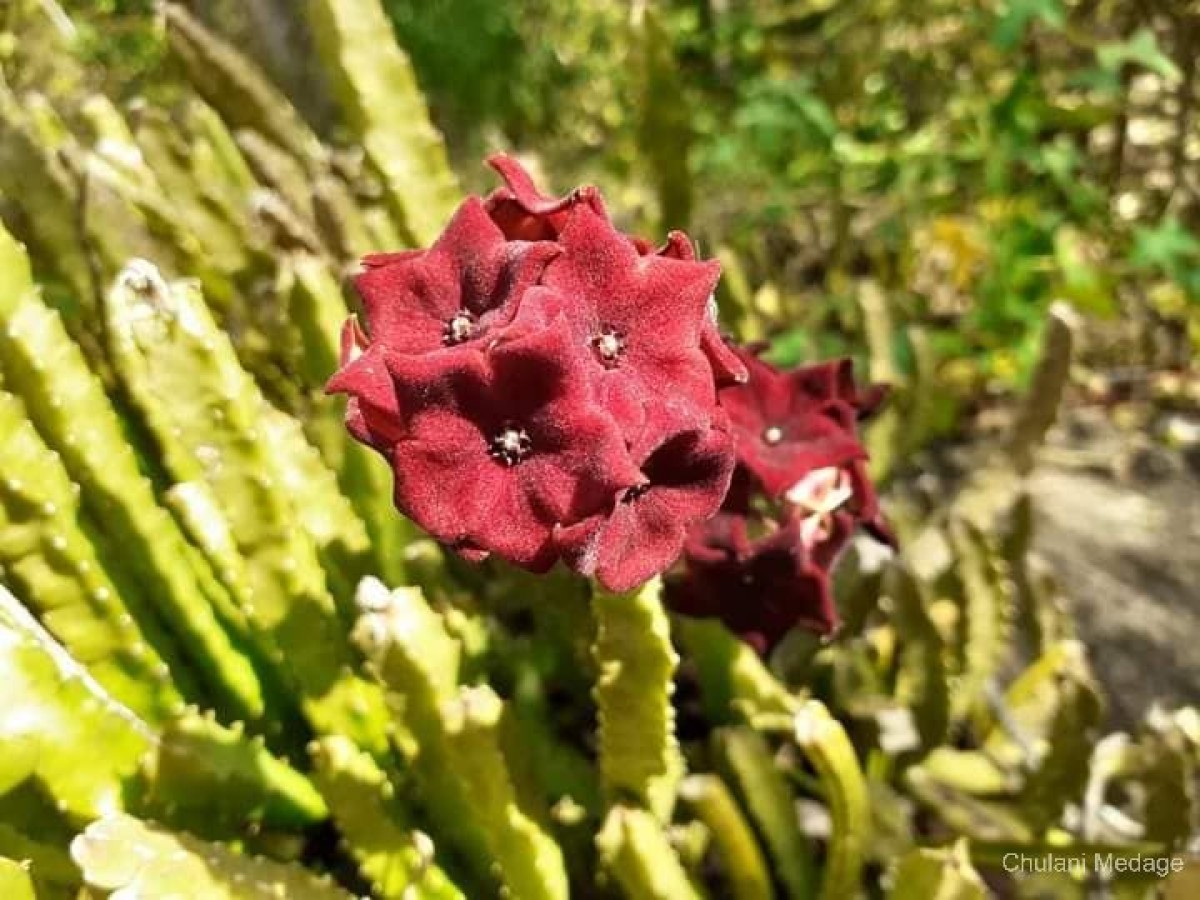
[789, 423]
[458, 293]
[498, 448]
[640, 317]
[641, 534]
[523, 212]
[545, 385]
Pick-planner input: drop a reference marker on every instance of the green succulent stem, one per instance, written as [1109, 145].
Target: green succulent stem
[738, 686]
[825, 742]
[745, 757]
[635, 662]
[397, 859]
[451, 735]
[709, 798]
[637, 853]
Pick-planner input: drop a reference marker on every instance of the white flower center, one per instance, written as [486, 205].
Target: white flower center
[820, 494]
[609, 346]
[511, 445]
[460, 327]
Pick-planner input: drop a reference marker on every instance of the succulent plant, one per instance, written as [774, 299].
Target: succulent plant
[230, 668]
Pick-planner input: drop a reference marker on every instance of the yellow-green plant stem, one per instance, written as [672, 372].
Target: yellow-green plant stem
[734, 677]
[710, 800]
[635, 669]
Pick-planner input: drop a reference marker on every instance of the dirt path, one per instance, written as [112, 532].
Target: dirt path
[1122, 534]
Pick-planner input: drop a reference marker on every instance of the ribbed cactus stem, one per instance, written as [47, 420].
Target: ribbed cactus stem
[45, 552]
[937, 872]
[638, 856]
[457, 743]
[734, 681]
[121, 854]
[214, 426]
[710, 801]
[1049, 381]
[745, 755]
[738, 686]
[92, 755]
[210, 779]
[81, 745]
[530, 862]
[378, 88]
[34, 177]
[397, 859]
[68, 405]
[825, 743]
[234, 85]
[316, 311]
[640, 759]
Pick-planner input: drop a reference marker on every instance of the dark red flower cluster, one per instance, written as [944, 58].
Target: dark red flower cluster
[545, 386]
[762, 565]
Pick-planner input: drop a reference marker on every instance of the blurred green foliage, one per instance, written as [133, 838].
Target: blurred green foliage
[976, 161]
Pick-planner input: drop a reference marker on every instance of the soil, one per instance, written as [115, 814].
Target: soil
[1119, 525]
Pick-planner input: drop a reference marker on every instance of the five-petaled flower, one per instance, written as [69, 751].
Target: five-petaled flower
[495, 449]
[460, 291]
[641, 318]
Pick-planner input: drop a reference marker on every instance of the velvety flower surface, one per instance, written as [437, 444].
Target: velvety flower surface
[789, 423]
[467, 285]
[642, 532]
[726, 363]
[544, 385]
[523, 212]
[641, 317]
[495, 450]
[763, 588]
[372, 411]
